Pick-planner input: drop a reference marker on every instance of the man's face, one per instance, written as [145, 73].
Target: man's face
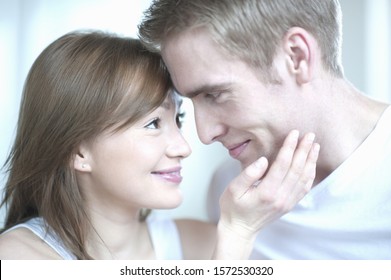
[231, 104]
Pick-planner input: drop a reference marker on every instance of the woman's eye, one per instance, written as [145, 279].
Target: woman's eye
[154, 124]
[179, 119]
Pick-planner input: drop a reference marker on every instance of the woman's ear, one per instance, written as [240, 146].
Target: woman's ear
[299, 45]
[81, 160]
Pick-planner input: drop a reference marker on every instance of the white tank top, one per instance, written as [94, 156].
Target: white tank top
[164, 235]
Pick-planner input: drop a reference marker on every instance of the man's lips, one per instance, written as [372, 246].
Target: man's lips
[172, 175]
[236, 150]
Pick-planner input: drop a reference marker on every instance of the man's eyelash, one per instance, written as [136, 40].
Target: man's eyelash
[212, 95]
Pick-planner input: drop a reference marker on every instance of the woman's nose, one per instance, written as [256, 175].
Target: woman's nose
[178, 146]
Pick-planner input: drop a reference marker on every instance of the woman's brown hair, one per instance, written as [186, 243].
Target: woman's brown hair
[81, 85]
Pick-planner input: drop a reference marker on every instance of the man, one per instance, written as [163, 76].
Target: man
[257, 69]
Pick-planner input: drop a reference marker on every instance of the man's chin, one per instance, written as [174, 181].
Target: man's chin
[245, 162]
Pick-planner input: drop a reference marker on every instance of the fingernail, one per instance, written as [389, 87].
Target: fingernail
[260, 162]
[295, 133]
[316, 148]
[310, 137]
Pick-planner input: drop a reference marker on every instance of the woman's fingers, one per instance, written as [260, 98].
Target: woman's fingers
[249, 177]
[299, 161]
[280, 167]
[306, 180]
[255, 198]
[292, 173]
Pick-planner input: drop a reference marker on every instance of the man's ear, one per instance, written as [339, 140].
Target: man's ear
[81, 160]
[299, 45]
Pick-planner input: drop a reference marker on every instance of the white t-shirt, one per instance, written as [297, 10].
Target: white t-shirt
[346, 216]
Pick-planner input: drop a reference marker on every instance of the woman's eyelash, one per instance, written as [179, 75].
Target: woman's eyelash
[179, 119]
[154, 124]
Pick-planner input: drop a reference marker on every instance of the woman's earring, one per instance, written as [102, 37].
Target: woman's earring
[83, 165]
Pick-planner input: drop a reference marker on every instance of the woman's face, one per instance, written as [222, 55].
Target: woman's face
[139, 166]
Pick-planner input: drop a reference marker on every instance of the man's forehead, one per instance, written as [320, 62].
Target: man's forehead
[197, 64]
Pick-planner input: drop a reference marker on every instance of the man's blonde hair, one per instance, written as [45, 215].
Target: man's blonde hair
[248, 29]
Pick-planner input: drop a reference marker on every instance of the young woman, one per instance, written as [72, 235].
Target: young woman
[98, 144]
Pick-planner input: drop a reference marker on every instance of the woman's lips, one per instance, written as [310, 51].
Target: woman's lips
[238, 149]
[172, 175]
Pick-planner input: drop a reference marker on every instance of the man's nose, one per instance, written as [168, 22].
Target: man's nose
[209, 127]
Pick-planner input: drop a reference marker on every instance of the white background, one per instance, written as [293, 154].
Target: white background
[28, 26]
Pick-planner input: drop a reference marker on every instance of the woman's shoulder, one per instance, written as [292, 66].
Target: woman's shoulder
[22, 244]
[198, 238]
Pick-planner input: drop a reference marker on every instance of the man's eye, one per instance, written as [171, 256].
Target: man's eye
[179, 119]
[214, 95]
[154, 124]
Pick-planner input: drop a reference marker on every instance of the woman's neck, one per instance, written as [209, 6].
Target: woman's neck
[119, 237]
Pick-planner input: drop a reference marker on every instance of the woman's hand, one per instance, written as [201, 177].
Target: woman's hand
[254, 199]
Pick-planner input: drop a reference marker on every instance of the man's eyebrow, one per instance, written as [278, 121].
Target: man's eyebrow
[207, 89]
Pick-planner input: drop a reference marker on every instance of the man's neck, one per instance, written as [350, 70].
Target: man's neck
[346, 119]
